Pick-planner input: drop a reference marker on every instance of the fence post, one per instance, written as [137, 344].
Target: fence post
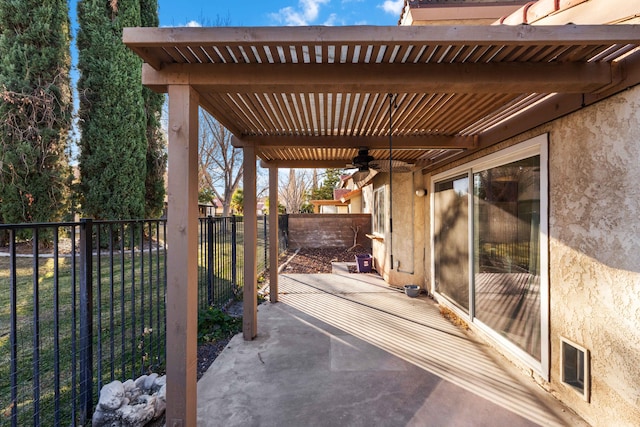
[234, 252]
[86, 320]
[13, 337]
[210, 249]
[265, 233]
[285, 228]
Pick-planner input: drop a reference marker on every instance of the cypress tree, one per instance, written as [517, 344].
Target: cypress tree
[35, 109]
[156, 155]
[112, 119]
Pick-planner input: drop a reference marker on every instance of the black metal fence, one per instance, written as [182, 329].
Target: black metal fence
[219, 273]
[221, 256]
[83, 304]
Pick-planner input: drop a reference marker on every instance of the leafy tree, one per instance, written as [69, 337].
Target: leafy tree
[205, 195]
[237, 201]
[113, 145]
[267, 205]
[325, 191]
[35, 109]
[306, 208]
[156, 145]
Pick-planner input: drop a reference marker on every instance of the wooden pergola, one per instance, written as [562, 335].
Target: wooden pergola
[298, 97]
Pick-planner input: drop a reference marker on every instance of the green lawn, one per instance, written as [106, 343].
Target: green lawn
[128, 336]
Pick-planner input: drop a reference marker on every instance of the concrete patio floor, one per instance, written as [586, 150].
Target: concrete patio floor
[346, 350]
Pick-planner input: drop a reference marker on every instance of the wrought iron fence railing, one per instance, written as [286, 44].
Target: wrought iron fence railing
[219, 273]
[221, 256]
[83, 304]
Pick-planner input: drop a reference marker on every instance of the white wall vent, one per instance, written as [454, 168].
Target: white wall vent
[574, 367]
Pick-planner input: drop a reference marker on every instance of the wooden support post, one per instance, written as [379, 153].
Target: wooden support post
[182, 268]
[273, 234]
[249, 302]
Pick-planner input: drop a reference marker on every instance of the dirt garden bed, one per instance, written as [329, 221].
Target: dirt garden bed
[317, 260]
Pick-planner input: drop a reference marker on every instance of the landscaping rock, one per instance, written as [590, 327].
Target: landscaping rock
[132, 403]
[111, 396]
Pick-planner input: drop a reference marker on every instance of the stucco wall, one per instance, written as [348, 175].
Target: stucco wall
[355, 204]
[594, 223]
[408, 232]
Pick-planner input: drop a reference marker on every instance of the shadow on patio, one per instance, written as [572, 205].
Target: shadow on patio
[346, 350]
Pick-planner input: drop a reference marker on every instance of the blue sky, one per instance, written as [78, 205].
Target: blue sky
[278, 12]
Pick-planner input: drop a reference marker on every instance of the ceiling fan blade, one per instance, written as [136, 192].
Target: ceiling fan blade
[363, 177]
[386, 165]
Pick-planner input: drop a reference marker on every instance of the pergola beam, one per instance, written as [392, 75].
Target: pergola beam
[306, 164]
[400, 142]
[140, 38]
[480, 78]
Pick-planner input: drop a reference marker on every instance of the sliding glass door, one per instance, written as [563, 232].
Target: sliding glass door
[506, 251]
[490, 250]
[451, 240]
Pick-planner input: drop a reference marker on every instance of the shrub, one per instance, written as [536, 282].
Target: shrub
[214, 324]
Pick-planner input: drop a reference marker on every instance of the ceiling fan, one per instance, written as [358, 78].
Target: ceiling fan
[368, 166]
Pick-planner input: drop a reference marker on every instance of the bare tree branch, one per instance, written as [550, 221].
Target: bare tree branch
[355, 230]
[293, 193]
[220, 169]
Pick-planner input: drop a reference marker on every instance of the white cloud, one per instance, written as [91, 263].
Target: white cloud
[192, 23]
[306, 12]
[331, 20]
[393, 7]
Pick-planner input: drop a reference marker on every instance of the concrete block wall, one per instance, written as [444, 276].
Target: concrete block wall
[328, 230]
